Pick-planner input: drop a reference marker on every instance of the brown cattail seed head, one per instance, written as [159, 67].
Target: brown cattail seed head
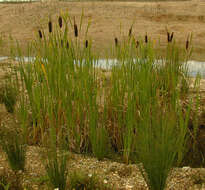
[67, 44]
[171, 37]
[60, 21]
[116, 42]
[40, 34]
[146, 39]
[75, 29]
[168, 37]
[130, 31]
[86, 43]
[50, 26]
[137, 44]
[187, 44]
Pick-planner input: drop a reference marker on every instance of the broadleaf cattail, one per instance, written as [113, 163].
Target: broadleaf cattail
[50, 26]
[40, 34]
[171, 37]
[60, 21]
[137, 44]
[75, 28]
[130, 31]
[146, 38]
[116, 42]
[86, 43]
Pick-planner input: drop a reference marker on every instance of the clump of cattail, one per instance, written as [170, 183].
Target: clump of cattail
[137, 44]
[75, 29]
[50, 26]
[86, 43]
[116, 41]
[146, 39]
[40, 34]
[130, 32]
[60, 21]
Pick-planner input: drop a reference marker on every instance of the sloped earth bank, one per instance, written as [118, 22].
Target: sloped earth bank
[23, 20]
[118, 175]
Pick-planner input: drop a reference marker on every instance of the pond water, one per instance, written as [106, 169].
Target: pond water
[194, 67]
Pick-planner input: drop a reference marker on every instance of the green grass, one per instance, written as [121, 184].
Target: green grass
[8, 96]
[80, 180]
[15, 150]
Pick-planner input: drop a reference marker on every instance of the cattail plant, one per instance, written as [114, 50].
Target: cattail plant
[75, 29]
[50, 26]
[116, 41]
[40, 34]
[60, 21]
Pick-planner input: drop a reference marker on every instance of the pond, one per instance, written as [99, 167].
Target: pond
[194, 67]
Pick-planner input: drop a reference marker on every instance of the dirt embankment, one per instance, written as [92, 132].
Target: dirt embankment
[110, 19]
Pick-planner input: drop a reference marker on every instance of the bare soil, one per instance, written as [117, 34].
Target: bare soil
[109, 20]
